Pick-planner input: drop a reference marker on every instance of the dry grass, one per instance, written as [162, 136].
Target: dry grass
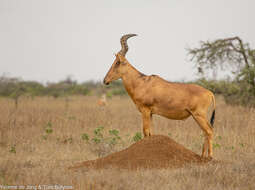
[30, 156]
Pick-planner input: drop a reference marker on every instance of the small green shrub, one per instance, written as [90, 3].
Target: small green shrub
[85, 137]
[102, 143]
[216, 145]
[13, 149]
[68, 140]
[114, 137]
[98, 132]
[48, 130]
[96, 140]
[137, 137]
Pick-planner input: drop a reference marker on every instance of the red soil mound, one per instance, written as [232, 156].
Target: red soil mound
[156, 151]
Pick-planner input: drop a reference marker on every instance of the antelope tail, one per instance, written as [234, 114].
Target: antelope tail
[213, 113]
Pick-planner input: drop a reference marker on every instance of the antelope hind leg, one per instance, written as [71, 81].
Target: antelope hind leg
[205, 126]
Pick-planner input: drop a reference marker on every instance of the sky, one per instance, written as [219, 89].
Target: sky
[48, 40]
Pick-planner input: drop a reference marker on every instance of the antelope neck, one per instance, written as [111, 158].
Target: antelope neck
[131, 79]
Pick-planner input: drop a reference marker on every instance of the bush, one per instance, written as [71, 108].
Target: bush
[234, 92]
[137, 137]
[103, 144]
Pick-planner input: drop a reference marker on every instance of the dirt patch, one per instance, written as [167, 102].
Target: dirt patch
[156, 151]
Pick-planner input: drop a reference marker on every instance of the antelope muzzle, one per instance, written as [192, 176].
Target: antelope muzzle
[106, 82]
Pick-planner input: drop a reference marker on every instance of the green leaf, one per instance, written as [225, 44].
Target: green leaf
[85, 137]
[137, 137]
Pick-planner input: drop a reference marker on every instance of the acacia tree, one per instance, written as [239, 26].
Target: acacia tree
[229, 53]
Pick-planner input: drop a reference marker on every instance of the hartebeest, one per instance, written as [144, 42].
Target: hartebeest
[154, 95]
[102, 101]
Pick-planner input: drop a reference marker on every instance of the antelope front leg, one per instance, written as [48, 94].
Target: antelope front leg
[146, 115]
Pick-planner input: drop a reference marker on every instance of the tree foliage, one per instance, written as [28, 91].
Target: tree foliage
[228, 54]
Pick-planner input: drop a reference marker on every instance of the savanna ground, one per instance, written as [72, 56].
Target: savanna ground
[44, 136]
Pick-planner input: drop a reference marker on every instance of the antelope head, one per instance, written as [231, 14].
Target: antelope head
[119, 66]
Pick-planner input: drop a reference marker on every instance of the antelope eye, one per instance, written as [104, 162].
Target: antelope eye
[118, 63]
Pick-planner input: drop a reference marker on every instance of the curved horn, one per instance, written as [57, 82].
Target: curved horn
[123, 42]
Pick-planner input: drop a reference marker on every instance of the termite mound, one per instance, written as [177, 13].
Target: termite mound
[152, 152]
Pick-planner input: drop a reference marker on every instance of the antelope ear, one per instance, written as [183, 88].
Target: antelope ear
[121, 58]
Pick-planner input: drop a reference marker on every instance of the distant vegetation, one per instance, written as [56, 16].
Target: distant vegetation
[234, 92]
[15, 87]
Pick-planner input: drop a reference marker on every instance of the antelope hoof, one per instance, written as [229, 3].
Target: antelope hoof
[203, 155]
[205, 158]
